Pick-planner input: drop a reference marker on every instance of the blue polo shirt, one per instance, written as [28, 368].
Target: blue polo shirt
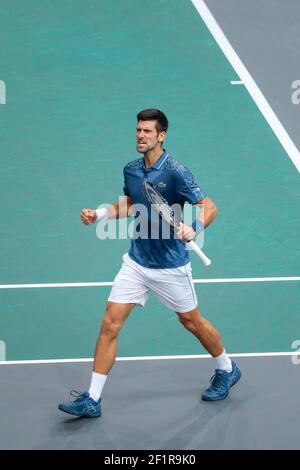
[176, 184]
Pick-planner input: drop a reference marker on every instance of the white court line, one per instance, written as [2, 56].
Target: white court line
[236, 82]
[151, 358]
[59, 284]
[248, 81]
[247, 279]
[196, 281]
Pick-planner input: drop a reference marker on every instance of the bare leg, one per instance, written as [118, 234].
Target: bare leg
[206, 333]
[106, 347]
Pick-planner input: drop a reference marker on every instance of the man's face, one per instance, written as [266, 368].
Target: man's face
[147, 137]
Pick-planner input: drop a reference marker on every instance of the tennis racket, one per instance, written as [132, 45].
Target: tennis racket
[162, 207]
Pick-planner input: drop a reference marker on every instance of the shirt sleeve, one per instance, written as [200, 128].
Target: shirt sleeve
[187, 189]
[125, 189]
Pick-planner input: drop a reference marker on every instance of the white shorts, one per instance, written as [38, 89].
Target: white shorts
[174, 287]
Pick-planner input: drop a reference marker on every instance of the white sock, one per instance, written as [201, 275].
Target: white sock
[224, 362]
[97, 384]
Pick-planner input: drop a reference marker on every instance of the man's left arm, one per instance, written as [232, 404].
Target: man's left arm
[208, 211]
[207, 214]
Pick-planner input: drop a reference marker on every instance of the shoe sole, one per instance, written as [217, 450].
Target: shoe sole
[214, 399]
[79, 415]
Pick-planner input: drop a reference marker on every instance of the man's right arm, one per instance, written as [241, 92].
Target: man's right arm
[117, 210]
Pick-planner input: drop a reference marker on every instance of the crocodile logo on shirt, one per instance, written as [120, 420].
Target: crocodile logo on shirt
[161, 184]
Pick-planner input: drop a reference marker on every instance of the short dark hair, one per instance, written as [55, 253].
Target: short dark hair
[154, 115]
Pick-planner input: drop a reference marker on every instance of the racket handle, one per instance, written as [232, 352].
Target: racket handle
[205, 260]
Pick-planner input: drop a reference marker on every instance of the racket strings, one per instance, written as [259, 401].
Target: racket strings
[162, 207]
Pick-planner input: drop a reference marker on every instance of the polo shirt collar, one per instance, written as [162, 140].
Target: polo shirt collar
[158, 164]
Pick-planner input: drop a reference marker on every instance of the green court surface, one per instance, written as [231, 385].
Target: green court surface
[76, 74]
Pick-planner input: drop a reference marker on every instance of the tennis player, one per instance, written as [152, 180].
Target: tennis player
[158, 264]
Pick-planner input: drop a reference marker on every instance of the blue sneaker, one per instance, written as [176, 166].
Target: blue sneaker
[221, 383]
[83, 406]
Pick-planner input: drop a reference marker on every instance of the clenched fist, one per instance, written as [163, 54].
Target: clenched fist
[185, 233]
[88, 216]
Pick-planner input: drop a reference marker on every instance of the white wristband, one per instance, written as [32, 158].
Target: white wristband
[101, 214]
